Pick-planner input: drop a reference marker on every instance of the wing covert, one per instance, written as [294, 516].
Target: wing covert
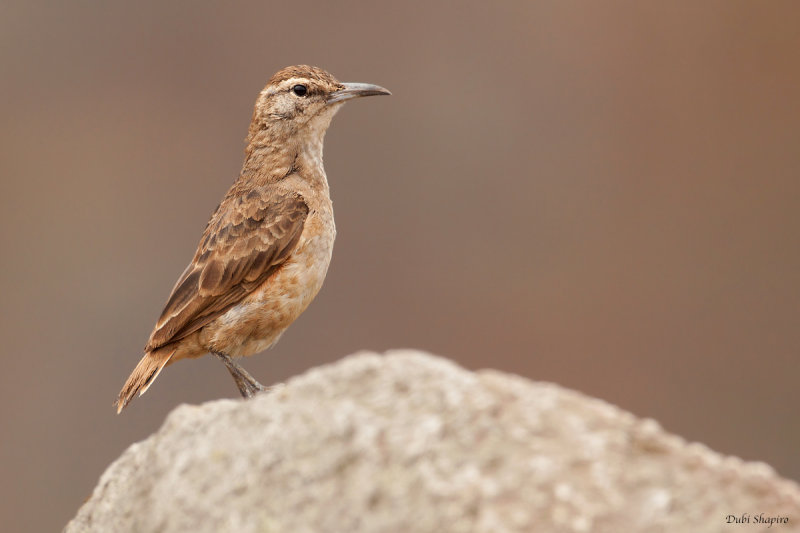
[247, 239]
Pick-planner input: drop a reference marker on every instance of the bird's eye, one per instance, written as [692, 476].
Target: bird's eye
[300, 90]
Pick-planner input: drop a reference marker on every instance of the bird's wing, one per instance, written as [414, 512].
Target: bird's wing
[245, 242]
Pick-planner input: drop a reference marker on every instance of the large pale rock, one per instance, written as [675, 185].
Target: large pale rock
[407, 442]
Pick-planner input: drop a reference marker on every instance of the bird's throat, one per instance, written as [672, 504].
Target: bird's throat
[270, 160]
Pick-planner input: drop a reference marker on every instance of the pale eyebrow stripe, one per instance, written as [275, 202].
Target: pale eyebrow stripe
[284, 86]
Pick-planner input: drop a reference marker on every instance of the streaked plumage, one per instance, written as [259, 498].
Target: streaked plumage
[266, 249]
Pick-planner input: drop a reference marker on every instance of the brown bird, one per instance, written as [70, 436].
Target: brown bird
[265, 252]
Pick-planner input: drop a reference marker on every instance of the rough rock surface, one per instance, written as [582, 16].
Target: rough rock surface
[407, 442]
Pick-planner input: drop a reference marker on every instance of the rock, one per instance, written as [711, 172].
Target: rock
[408, 442]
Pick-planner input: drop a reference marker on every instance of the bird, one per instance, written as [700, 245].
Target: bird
[265, 251]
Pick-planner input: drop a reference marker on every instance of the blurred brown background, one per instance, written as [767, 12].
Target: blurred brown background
[603, 195]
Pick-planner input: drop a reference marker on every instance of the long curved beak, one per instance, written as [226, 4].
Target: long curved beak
[356, 90]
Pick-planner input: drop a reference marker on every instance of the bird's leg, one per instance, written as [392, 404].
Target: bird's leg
[248, 386]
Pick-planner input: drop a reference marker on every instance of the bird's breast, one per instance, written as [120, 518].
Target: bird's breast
[256, 322]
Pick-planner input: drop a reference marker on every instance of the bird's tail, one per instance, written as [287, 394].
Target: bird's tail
[144, 374]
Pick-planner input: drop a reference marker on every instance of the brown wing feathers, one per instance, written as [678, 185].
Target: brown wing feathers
[242, 246]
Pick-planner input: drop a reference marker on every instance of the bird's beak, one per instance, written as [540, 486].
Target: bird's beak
[355, 90]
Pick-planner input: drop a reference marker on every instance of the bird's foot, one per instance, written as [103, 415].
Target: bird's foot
[247, 384]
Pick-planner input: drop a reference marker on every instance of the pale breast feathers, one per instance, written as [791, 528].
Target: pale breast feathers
[246, 241]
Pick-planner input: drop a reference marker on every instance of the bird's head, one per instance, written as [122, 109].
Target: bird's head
[302, 100]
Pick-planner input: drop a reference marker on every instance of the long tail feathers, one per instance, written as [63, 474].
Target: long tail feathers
[143, 375]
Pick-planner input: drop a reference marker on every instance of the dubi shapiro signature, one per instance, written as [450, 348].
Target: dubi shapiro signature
[747, 518]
